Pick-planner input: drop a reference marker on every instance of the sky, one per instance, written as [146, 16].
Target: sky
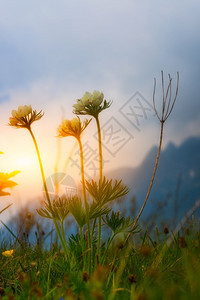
[52, 52]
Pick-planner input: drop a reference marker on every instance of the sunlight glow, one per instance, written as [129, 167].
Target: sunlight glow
[25, 161]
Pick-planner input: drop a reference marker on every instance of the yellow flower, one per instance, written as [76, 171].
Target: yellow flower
[6, 183]
[24, 116]
[91, 104]
[72, 127]
[8, 253]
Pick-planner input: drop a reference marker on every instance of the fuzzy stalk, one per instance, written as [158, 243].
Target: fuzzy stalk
[85, 199]
[82, 245]
[64, 239]
[107, 247]
[100, 181]
[46, 191]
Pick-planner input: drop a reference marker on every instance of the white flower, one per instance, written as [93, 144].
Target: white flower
[22, 111]
[86, 99]
[78, 106]
[91, 104]
[97, 98]
[24, 116]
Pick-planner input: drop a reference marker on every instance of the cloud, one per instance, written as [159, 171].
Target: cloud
[51, 53]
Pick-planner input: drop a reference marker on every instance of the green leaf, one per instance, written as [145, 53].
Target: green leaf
[77, 210]
[59, 209]
[104, 192]
[119, 224]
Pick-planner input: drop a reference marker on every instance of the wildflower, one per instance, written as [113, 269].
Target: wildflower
[8, 253]
[72, 127]
[132, 278]
[182, 242]
[145, 250]
[85, 276]
[6, 183]
[91, 104]
[166, 230]
[24, 116]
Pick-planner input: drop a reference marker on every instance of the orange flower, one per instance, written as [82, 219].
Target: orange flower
[6, 183]
[8, 253]
[72, 127]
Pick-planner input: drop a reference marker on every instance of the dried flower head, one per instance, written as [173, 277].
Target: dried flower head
[24, 116]
[8, 253]
[91, 104]
[72, 127]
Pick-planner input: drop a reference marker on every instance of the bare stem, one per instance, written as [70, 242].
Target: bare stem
[167, 108]
[152, 180]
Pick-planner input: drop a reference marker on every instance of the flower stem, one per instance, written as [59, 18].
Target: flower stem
[92, 233]
[85, 200]
[107, 247]
[46, 191]
[83, 175]
[64, 239]
[152, 181]
[100, 149]
[100, 181]
[82, 245]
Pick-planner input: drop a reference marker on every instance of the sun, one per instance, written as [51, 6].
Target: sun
[25, 161]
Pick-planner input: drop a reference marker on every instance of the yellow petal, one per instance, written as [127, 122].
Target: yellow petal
[2, 193]
[8, 253]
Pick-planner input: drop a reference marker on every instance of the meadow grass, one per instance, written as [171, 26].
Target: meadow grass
[121, 264]
[147, 268]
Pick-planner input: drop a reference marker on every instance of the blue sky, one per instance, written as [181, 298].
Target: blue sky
[51, 52]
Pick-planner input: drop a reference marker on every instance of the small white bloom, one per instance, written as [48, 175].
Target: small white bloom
[86, 99]
[78, 106]
[24, 116]
[97, 98]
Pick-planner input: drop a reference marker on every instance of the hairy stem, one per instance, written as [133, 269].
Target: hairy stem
[92, 233]
[100, 150]
[82, 245]
[64, 239]
[46, 191]
[100, 181]
[85, 199]
[107, 247]
[83, 175]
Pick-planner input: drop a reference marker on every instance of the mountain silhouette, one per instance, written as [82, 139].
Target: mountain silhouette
[177, 182]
